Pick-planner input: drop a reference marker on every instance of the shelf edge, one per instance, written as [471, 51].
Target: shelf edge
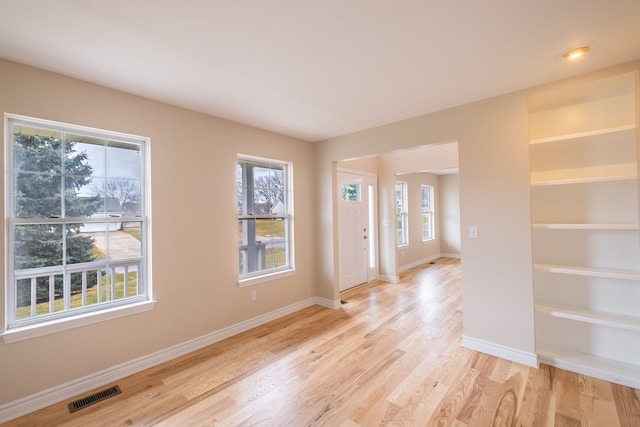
[585, 271]
[576, 135]
[593, 317]
[585, 226]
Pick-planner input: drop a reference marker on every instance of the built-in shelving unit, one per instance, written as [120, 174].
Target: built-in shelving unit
[586, 227]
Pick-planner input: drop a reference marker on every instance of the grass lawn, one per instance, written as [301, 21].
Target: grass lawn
[275, 257]
[266, 227]
[133, 231]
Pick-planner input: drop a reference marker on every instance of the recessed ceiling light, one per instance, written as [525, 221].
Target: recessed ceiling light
[577, 52]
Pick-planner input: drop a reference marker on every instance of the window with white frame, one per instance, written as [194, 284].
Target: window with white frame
[77, 220]
[402, 215]
[427, 213]
[265, 212]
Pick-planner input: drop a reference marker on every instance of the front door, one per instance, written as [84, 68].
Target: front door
[353, 229]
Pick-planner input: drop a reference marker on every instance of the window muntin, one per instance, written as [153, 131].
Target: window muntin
[264, 217]
[402, 215]
[76, 225]
[428, 232]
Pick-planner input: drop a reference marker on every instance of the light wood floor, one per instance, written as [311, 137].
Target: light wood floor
[390, 356]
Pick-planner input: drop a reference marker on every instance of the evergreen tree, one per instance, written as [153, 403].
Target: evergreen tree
[39, 163]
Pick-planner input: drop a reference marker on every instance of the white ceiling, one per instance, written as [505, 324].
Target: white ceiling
[318, 69]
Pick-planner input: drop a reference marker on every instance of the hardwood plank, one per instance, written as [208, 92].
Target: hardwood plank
[627, 403]
[390, 355]
[537, 402]
[596, 403]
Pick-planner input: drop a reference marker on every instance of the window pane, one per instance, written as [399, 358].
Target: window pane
[84, 156]
[268, 190]
[252, 250]
[80, 245]
[124, 241]
[426, 199]
[351, 192]
[401, 212]
[399, 197]
[37, 195]
[123, 160]
[76, 206]
[427, 213]
[122, 197]
[114, 241]
[241, 192]
[38, 246]
[37, 150]
[268, 249]
[271, 234]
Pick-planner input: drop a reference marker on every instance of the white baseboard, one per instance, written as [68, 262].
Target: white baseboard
[328, 303]
[414, 264]
[76, 387]
[388, 278]
[501, 351]
[450, 255]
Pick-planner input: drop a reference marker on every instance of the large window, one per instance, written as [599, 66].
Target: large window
[402, 215]
[427, 213]
[77, 220]
[264, 217]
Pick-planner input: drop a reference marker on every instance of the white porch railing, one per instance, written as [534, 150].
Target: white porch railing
[252, 257]
[105, 272]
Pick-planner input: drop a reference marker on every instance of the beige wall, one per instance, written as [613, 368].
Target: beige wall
[193, 229]
[449, 209]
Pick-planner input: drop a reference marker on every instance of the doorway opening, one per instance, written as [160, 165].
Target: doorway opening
[370, 250]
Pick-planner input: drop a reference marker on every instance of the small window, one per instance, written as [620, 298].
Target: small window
[77, 220]
[264, 217]
[402, 213]
[427, 213]
[351, 192]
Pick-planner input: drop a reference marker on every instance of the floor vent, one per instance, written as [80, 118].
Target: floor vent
[94, 398]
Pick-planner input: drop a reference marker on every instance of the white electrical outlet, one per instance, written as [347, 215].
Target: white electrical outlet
[254, 295]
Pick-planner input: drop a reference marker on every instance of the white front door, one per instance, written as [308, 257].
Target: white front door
[354, 223]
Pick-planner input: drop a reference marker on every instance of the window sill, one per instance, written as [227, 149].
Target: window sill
[46, 328]
[265, 278]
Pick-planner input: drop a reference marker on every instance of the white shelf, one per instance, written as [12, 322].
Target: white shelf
[584, 134]
[583, 145]
[593, 366]
[575, 226]
[591, 272]
[599, 173]
[589, 316]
